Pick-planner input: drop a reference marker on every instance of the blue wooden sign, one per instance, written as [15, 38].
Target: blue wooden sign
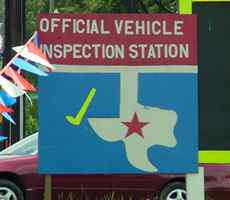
[132, 123]
[124, 96]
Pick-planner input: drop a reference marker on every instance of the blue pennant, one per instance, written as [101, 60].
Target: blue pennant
[36, 40]
[7, 116]
[22, 64]
[7, 100]
[2, 138]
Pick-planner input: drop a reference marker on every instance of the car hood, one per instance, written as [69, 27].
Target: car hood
[7, 157]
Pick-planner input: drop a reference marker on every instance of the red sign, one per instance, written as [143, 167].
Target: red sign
[119, 39]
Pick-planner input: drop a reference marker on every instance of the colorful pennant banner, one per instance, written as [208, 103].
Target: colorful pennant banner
[19, 80]
[10, 88]
[6, 99]
[8, 117]
[5, 109]
[22, 64]
[30, 53]
[12, 82]
[2, 138]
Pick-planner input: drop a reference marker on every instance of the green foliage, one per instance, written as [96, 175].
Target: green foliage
[104, 6]
[89, 6]
[33, 7]
[2, 8]
[31, 124]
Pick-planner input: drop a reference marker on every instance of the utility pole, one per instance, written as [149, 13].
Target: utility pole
[14, 36]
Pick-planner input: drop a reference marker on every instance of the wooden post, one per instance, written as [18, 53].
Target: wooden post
[48, 188]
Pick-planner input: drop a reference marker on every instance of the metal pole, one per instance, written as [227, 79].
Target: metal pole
[14, 36]
[21, 98]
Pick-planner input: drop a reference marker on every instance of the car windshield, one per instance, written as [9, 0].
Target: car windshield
[26, 146]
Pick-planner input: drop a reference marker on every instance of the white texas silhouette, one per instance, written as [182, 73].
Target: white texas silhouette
[157, 125]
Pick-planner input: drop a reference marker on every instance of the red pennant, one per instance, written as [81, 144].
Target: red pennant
[33, 49]
[19, 80]
[5, 109]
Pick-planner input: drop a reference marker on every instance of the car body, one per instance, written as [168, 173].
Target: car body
[19, 180]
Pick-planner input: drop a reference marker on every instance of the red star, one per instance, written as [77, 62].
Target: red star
[135, 126]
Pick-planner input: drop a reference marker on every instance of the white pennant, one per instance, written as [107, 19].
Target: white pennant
[24, 52]
[10, 88]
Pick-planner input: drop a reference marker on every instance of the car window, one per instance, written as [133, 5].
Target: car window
[27, 146]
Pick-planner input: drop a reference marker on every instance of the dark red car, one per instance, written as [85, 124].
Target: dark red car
[19, 180]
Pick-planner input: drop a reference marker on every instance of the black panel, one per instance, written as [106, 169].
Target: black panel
[214, 74]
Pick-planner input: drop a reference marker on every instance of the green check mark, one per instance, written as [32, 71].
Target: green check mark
[77, 120]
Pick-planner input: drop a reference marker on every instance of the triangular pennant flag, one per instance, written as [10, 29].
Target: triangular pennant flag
[5, 99]
[26, 53]
[10, 88]
[36, 39]
[19, 80]
[42, 67]
[8, 117]
[22, 64]
[2, 138]
[35, 50]
[5, 109]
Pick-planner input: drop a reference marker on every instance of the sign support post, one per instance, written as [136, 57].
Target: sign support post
[195, 185]
[48, 187]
